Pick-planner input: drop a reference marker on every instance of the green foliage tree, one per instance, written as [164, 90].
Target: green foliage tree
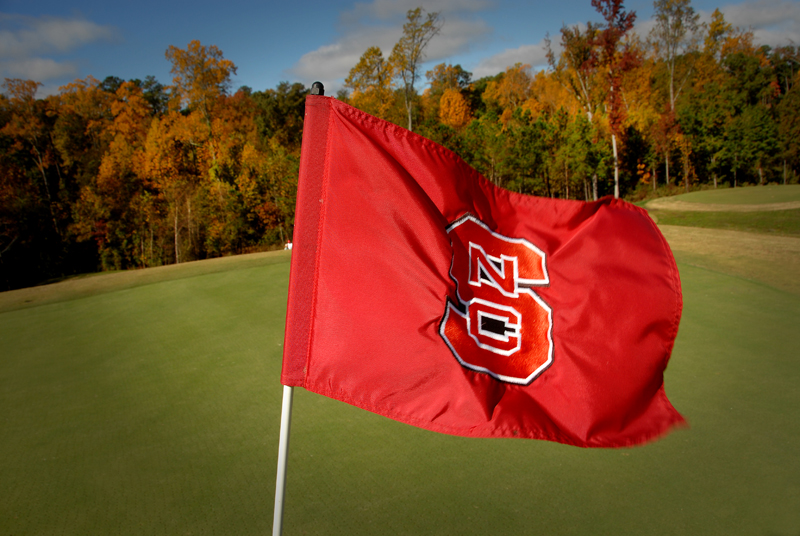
[280, 113]
[788, 114]
[577, 69]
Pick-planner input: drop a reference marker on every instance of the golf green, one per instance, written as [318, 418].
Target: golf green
[153, 408]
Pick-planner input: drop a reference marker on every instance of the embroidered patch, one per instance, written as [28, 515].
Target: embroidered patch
[498, 326]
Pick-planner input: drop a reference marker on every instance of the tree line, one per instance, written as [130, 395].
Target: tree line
[614, 113]
[119, 174]
[126, 174]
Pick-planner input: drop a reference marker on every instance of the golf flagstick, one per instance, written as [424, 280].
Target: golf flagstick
[283, 451]
[286, 423]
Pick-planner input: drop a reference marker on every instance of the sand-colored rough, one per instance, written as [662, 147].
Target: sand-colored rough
[771, 260]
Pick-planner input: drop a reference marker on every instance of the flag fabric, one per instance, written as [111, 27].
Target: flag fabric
[422, 292]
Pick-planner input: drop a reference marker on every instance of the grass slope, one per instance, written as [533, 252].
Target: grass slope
[778, 223]
[752, 195]
[154, 409]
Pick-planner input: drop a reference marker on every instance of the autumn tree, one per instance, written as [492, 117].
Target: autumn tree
[200, 75]
[33, 218]
[788, 113]
[409, 53]
[110, 209]
[510, 91]
[26, 127]
[577, 69]
[577, 66]
[616, 58]
[447, 76]
[442, 78]
[548, 95]
[80, 132]
[707, 111]
[673, 36]
[454, 109]
[371, 83]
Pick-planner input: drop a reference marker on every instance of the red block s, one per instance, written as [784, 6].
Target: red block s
[497, 324]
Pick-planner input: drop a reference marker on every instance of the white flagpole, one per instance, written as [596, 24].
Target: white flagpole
[283, 451]
[286, 423]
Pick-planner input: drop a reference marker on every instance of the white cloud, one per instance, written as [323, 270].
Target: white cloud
[330, 63]
[643, 27]
[392, 9]
[380, 23]
[774, 22]
[533, 55]
[25, 43]
[38, 69]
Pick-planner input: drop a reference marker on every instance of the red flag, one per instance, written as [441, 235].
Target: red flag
[422, 292]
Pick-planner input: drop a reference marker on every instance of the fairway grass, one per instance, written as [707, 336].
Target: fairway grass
[773, 261]
[777, 223]
[151, 406]
[751, 195]
[773, 210]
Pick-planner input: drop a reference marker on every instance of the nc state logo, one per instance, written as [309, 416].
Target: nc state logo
[499, 325]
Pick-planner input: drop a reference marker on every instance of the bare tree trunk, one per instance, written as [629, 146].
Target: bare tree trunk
[655, 177]
[714, 159]
[547, 185]
[784, 172]
[408, 110]
[40, 165]
[594, 187]
[686, 176]
[175, 228]
[666, 165]
[189, 221]
[760, 176]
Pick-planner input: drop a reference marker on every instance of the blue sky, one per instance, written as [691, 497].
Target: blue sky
[55, 42]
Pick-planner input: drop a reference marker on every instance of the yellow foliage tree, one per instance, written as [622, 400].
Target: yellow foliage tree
[511, 91]
[548, 95]
[200, 75]
[371, 83]
[441, 78]
[454, 109]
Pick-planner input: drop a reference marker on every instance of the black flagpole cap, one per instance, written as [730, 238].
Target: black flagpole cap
[317, 88]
